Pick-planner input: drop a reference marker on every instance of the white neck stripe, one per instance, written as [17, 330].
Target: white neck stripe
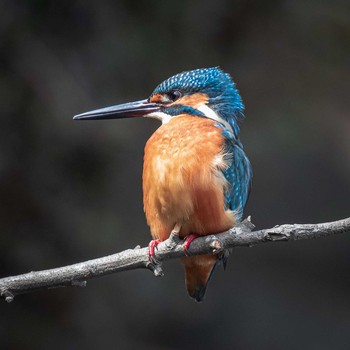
[209, 113]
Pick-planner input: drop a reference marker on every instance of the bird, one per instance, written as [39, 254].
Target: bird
[196, 176]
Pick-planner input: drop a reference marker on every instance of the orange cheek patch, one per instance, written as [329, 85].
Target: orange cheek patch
[157, 98]
[193, 100]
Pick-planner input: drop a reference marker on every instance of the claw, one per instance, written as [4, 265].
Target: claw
[151, 249]
[187, 242]
[154, 264]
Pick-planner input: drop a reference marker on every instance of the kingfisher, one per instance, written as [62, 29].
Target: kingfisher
[196, 176]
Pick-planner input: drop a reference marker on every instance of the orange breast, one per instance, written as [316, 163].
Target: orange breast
[182, 178]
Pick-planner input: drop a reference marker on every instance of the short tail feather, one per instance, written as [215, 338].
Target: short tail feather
[199, 270]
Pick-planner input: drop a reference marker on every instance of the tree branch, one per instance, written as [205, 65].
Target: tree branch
[76, 275]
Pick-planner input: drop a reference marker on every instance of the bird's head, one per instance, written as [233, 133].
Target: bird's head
[207, 92]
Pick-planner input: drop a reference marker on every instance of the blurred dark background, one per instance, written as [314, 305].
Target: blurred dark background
[71, 191]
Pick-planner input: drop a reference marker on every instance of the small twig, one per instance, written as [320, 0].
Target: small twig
[242, 235]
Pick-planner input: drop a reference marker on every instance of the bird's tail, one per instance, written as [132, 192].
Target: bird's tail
[198, 270]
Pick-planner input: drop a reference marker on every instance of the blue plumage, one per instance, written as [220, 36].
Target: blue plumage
[239, 175]
[181, 109]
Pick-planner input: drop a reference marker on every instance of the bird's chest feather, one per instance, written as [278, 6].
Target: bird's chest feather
[182, 177]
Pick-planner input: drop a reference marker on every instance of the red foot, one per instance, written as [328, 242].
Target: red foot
[187, 242]
[152, 247]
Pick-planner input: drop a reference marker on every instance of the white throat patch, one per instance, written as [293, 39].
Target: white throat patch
[207, 111]
[163, 117]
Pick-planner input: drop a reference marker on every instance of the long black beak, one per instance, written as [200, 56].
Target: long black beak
[126, 110]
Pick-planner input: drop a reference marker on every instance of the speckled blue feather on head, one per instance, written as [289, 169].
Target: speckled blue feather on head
[223, 96]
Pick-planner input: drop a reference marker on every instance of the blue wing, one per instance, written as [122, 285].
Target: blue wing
[238, 174]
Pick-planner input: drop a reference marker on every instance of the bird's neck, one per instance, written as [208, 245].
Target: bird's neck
[209, 113]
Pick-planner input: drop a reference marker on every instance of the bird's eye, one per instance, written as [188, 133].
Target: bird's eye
[174, 95]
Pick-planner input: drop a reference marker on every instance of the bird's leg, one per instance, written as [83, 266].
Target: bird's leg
[151, 249]
[187, 242]
[174, 238]
[172, 242]
[153, 264]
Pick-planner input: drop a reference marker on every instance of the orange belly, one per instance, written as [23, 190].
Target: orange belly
[183, 181]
